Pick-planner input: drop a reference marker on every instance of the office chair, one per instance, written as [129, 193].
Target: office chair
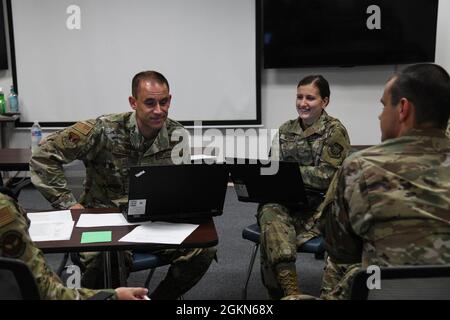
[16, 281]
[141, 261]
[430, 282]
[14, 187]
[17, 187]
[144, 261]
[252, 233]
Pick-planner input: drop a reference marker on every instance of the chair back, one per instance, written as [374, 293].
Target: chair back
[430, 282]
[16, 281]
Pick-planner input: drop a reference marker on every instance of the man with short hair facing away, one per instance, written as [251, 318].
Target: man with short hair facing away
[389, 205]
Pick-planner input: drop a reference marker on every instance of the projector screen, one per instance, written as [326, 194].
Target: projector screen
[75, 60]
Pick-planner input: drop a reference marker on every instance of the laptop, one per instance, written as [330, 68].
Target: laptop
[176, 192]
[284, 186]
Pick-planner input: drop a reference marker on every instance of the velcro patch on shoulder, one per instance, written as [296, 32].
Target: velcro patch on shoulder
[6, 216]
[83, 127]
[73, 137]
[12, 244]
[335, 150]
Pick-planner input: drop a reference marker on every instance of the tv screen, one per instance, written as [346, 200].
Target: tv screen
[304, 33]
[3, 54]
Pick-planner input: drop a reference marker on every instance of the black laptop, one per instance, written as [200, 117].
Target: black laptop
[176, 192]
[276, 182]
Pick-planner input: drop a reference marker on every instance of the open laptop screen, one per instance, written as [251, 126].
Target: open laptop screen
[176, 192]
[284, 185]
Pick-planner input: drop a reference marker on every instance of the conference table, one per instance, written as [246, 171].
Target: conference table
[202, 237]
[5, 119]
[14, 160]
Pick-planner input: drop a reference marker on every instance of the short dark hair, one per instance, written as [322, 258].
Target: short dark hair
[319, 82]
[427, 86]
[147, 75]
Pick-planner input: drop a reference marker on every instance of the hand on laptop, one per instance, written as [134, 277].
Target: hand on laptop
[77, 206]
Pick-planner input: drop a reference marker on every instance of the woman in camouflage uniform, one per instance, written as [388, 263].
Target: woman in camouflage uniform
[319, 143]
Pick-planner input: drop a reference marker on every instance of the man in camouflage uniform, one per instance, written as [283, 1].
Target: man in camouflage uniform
[108, 146]
[391, 202]
[15, 243]
[319, 143]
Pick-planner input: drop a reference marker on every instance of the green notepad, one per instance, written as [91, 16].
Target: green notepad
[96, 236]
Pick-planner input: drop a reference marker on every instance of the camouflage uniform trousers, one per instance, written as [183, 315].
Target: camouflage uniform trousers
[337, 280]
[282, 231]
[187, 267]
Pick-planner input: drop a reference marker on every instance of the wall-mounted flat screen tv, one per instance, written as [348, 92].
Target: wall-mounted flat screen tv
[305, 33]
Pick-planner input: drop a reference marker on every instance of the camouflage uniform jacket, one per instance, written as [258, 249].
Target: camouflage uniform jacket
[15, 242]
[392, 203]
[320, 150]
[108, 146]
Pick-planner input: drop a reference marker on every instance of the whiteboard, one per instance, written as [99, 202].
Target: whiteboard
[205, 48]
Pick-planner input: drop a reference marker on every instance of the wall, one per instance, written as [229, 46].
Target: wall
[355, 92]
[355, 95]
[5, 75]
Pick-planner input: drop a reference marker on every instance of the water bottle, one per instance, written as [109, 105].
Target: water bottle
[2, 102]
[36, 136]
[13, 101]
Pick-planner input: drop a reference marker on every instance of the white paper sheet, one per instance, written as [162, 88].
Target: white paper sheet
[160, 232]
[102, 220]
[51, 231]
[202, 157]
[50, 216]
[50, 225]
